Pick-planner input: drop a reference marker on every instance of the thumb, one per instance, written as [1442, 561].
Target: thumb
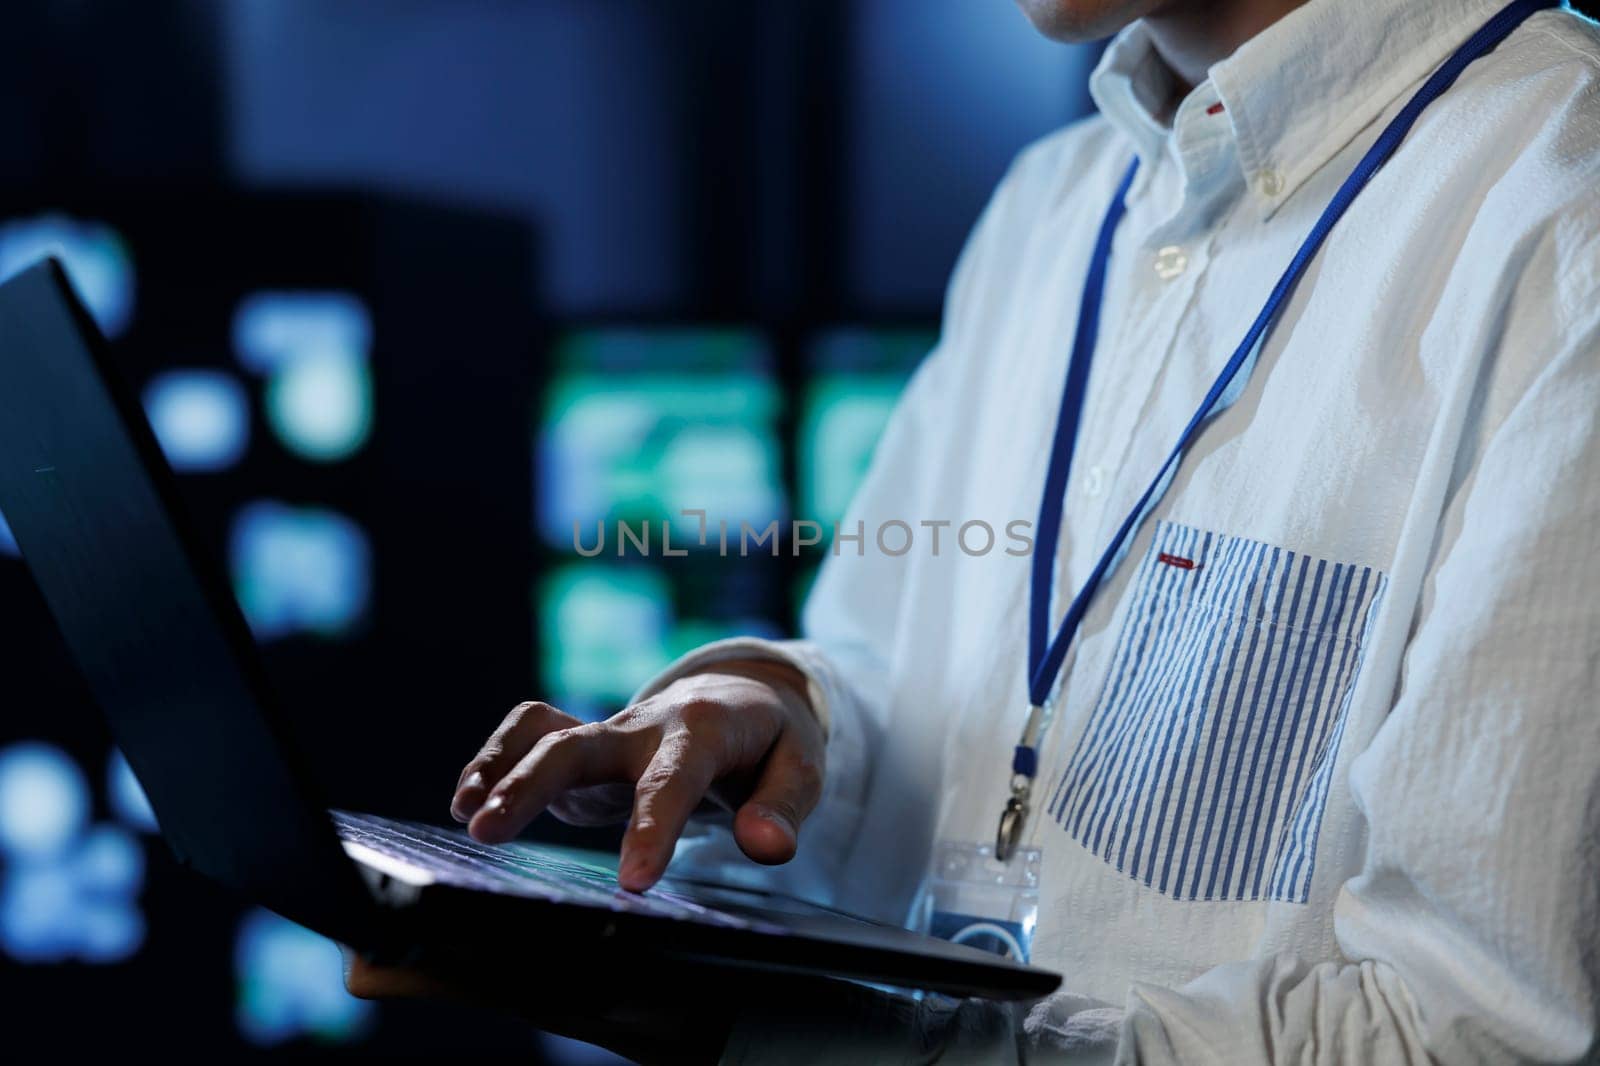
[767, 826]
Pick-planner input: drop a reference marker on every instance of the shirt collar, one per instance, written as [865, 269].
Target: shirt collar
[1287, 99]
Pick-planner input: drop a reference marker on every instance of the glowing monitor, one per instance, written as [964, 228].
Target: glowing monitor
[857, 377]
[273, 328]
[68, 890]
[642, 424]
[44, 801]
[95, 258]
[609, 627]
[83, 907]
[314, 349]
[290, 984]
[605, 632]
[299, 570]
[201, 418]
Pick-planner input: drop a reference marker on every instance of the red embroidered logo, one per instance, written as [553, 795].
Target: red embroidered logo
[1177, 560]
[1215, 109]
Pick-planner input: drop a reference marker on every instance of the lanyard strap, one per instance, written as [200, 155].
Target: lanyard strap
[1045, 659]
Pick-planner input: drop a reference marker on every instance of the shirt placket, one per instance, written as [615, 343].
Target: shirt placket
[1157, 286]
[1157, 264]
[1163, 273]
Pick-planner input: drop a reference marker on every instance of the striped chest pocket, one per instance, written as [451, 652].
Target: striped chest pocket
[1205, 765]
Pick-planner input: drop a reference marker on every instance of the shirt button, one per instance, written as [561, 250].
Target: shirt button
[1270, 182]
[1094, 481]
[1170, 262]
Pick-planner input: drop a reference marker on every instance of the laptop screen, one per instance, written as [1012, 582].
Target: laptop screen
[91, 504]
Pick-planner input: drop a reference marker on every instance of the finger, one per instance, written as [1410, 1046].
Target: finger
[767, 827]
[515, 736]
[566, 759]
[668, 791]
[505, 747]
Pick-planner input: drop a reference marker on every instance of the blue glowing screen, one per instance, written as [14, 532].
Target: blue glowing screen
[92, 253]
[314, 350]
[68, 889]
[200, 417]
[856, 378]
[608, 627]
[642, 424]
[290, 984]
[44, 801]
[299, 570]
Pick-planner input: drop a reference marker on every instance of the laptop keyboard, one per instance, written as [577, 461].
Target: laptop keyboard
[516, 869]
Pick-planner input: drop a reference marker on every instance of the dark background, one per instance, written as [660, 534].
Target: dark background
[631, 202]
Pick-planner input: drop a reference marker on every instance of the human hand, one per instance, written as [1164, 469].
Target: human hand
[740, 732]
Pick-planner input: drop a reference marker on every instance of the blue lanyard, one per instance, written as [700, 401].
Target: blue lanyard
[1045, 657]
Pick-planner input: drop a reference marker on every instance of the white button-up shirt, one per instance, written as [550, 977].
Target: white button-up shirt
[1323, 778]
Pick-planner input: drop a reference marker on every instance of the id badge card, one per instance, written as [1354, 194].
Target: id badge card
[972, 898]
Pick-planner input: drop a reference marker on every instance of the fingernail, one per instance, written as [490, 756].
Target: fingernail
[770, 815]
[496, 804]
[464, 804]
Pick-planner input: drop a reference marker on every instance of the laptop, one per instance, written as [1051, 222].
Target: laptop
[151, 624]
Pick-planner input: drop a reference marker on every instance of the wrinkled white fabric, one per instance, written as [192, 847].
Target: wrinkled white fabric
[1373, 835]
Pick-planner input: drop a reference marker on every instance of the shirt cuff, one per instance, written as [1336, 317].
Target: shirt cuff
[746, 649]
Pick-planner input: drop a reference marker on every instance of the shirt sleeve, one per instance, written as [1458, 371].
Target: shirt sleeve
[1472, 933]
